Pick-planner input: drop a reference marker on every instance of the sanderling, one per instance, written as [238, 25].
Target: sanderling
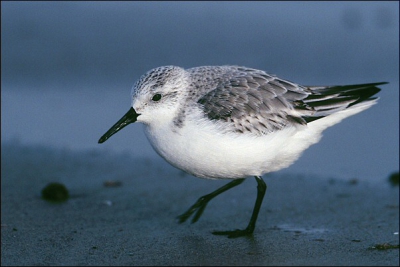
[231, 122]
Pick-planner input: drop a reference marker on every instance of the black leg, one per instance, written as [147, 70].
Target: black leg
[201, 203]
[261, 188]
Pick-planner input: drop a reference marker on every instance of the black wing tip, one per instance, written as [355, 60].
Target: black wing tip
[369, 84]
[360, 86]
[355, 93]
[364, 91]
[338, 88]
[365, 86]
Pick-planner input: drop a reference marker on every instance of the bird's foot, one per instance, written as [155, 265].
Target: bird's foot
[234, 233]
[198, 207]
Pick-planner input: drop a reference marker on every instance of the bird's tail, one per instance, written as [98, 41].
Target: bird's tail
[325, 101]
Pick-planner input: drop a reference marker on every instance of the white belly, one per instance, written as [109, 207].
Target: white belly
[203, 151]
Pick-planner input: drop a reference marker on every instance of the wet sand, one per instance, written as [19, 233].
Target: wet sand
[122, 211]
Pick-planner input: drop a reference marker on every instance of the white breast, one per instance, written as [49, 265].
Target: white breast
[203, 149]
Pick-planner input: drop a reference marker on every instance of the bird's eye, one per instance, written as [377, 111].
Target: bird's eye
[156, 97]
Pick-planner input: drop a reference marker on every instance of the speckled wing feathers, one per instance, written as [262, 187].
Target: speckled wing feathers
[253, 101]
[250, 100]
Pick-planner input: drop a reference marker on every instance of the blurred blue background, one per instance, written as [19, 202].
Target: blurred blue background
[67, 68]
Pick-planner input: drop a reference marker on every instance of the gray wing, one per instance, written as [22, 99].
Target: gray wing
[254, 102]
[260, 103]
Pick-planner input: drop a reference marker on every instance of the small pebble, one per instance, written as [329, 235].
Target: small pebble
[55, 192]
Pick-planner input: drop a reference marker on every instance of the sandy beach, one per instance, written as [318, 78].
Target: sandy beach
[122, 211]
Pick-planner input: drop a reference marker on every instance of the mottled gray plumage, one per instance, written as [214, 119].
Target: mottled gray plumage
[250, 100]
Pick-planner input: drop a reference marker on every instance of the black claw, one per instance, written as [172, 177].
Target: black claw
[235, 233]
[181, 219]
[202, 202]
[198, 207]
[199, 213]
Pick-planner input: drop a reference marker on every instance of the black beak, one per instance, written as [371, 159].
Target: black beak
[129, 117]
